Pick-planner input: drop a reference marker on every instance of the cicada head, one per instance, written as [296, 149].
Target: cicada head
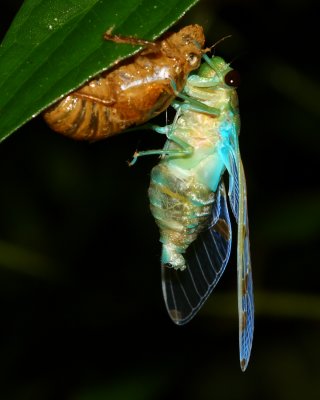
[220, 72]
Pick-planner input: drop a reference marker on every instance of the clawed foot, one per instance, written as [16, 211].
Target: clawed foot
[134, 159]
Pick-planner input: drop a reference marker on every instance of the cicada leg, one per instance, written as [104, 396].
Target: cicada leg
[131, 40]
[191, 104]
[184, 150]
[95, 99]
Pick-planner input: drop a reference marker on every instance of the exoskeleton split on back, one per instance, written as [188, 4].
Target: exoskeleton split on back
[189, 202]
[132, 92]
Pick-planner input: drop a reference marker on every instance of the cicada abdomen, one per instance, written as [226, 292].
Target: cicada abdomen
[189, 202]
[131, 93]
[182, 207]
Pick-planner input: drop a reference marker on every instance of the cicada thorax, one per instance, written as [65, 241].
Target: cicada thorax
[132, 92]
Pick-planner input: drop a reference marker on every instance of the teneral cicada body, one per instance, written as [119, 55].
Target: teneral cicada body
[132, 92]
[188, 198]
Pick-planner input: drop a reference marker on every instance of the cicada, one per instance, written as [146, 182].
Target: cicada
[188, 198]
[132, 92]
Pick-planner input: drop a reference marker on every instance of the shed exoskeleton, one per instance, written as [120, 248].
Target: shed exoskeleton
[133, 91]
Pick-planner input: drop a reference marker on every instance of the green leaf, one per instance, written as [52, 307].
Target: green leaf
[54, 46]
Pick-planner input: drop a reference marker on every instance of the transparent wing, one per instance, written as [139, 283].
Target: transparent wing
[238, 202]
[245, 285]
[234, 189]
[185, 291]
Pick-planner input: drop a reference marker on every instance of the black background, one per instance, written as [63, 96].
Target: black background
[82, 315]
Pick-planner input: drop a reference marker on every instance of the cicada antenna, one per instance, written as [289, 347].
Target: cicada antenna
[208, 49]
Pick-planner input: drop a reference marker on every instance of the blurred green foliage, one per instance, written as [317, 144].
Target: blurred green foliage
[81, 307]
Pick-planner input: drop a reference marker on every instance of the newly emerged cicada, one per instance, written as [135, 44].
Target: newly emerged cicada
[188, 198]
[133, 91]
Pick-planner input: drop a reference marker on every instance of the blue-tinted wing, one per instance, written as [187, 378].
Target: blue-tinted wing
[245, 285]
[238, 201]
[234, 192]
[185, 291]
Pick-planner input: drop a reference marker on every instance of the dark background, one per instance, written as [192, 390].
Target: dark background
[82, 315]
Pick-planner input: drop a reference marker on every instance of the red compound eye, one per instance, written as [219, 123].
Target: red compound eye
[232, 78]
